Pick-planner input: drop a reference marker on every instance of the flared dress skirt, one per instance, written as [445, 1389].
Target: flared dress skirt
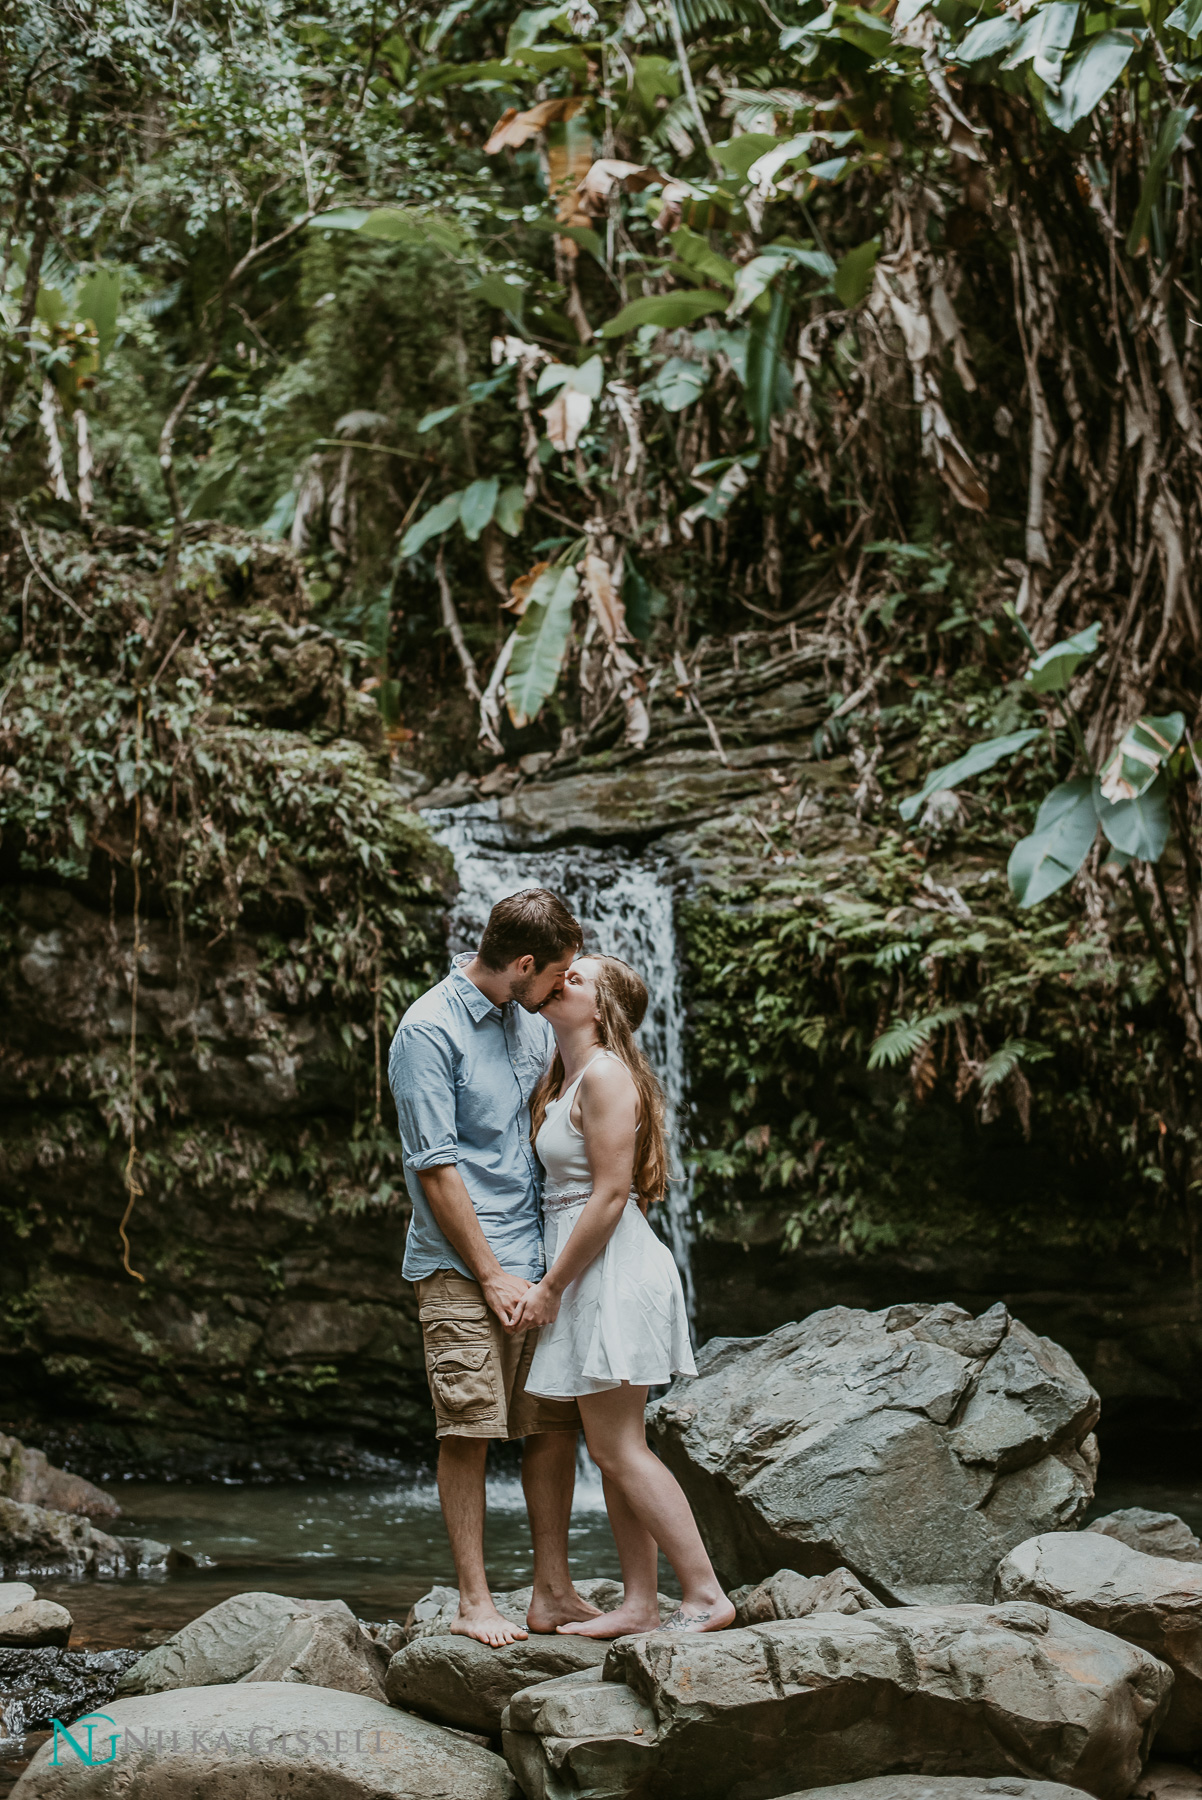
[622, 1319]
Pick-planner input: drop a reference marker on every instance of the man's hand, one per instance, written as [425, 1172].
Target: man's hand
[538, 1306]
[503, 1293]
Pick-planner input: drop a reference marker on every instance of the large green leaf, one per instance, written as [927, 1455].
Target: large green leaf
[987, 39]
[510, 510]
[440, 518]
[1172, 130]
[669, 311]
[1052, 672]
[1145, 748]
[769, 389]
[678, 384]
[476, 506]
[1139, 827]
[1090, 77]
[395, 225]
[695, 253]
[853, 277]
[754, 277]
[1186, 18]
[1065, 828]
[982, 756]
[540, 642]
[737, 154]
[97, 299]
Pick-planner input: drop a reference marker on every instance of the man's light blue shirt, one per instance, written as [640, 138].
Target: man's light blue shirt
[462, 1072]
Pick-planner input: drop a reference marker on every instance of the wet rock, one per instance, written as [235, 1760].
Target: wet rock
[236, 1639]
[27, 1477]
[15, 1593]
[946, 1787]
[788, 1595]
[960, 1690]
[34, 1540]
[329, 1650]
[37, 1686]
[1150, 1601]
[263, 1741]
[35, 1625]
[460, 1682]
[641, 800]
[873, 1441]
[1155, 1533]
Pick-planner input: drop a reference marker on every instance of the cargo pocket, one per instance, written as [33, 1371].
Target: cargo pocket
[461, 1377]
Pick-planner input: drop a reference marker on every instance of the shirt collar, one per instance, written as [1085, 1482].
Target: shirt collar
[477, 1002]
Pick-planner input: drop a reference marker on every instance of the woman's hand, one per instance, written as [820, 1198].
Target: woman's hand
[539, 1305]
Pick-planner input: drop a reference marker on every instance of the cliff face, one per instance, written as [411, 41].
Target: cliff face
[1028, 1149]
[290, 906]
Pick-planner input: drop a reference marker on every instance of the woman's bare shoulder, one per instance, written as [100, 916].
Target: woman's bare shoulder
[607, 1079]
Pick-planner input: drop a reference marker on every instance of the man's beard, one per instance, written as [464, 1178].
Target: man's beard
[521, 991]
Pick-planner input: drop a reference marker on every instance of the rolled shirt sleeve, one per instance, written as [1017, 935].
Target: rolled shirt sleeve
[422, 1078]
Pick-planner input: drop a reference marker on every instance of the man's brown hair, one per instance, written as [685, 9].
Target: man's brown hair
[533, 923]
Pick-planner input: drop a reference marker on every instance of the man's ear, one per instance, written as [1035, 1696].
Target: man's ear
[523, 966]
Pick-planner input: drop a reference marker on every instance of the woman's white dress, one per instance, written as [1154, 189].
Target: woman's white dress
[623, 1318]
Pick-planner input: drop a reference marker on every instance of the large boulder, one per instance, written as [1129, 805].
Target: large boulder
[40, 1540]
[1014, 1690]
[260, 1637]
[27, 1477]
[1151, 1601]
[915, 1446]
[466, 1684]
[261, 1742]
[1168, 1781]
[1155, 1533]
[35, 1625]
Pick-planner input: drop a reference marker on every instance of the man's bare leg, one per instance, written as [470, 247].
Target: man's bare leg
[461, 1490]
[548, 1482]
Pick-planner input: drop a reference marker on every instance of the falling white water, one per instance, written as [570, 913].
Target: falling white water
[624, 904]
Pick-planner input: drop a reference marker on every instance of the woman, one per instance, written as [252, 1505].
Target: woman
[610, 1309]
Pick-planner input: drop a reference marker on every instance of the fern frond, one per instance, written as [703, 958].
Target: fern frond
[899, 1041]
[1005, 1060]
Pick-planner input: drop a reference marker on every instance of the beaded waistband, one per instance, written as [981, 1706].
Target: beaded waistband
[556, 1199]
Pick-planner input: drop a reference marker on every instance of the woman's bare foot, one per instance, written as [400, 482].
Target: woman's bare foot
[487, 1625]
[624, 1622]
[551, 1610]
[715, 1616]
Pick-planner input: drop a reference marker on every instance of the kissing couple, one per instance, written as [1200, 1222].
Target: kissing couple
[533, 1137]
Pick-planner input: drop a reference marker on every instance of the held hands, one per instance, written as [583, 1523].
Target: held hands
[504, 1294]
[539, 1306]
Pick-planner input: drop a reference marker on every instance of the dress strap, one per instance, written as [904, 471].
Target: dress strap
[579, 1078]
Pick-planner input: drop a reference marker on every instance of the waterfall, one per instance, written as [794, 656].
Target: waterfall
[624, 904]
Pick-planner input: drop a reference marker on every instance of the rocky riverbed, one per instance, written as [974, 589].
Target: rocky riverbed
[921, 1614]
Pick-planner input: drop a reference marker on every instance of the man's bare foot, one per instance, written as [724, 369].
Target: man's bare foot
[714, 1617]
[486, 1625]
[549, 1612]
[625, 1621]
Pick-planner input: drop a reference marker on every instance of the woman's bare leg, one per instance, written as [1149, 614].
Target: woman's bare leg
[639, 1556]
[650, 1497]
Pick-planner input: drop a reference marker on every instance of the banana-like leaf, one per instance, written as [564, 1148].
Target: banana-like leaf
[899, 1041]
[737, 154]
[1052, 672]
[695, 253]
[769, 388]
[987, 39]
[1065, 828]
[440, 518]
[1139, 827]
[1186, 18]
[476, 506]
[540, 642]
[1090, 77]
[668, 311]
[754, 277]
[974, 762]
[1145, 748]
[1172, 130]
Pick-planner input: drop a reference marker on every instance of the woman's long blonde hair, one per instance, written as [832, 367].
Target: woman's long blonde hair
[622, 1006]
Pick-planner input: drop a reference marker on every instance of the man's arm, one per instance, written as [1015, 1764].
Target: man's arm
[456, 1218]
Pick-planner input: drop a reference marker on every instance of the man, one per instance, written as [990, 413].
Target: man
[464, 1062]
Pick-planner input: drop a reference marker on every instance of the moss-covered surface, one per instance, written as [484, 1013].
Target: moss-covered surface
[290, 907]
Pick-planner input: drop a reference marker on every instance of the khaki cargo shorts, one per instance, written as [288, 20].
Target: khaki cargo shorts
[477, 1371]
